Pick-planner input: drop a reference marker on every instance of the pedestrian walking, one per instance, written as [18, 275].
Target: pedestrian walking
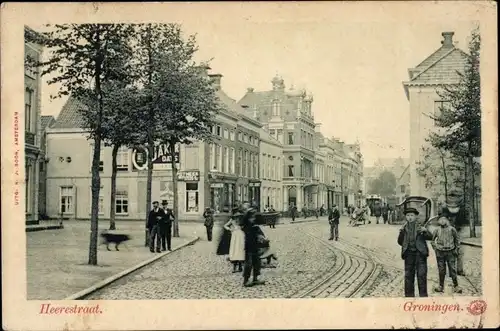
[237, 243]
[377, 211]
[385, 213]
[293, 212]
[333, 219]
[155, 219]
[252, 258]
[414, 251]
[209, 222]
[367, 214]
[446, 243]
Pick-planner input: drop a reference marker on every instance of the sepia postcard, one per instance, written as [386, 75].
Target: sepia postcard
[249, 165]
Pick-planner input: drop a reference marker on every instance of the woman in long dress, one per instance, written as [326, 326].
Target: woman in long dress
[237, 245]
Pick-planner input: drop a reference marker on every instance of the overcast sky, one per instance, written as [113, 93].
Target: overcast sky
[354, 70]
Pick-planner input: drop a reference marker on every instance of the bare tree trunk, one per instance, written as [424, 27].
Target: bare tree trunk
[112, 215]
[96, 158]
[150, 144]
[174, 182]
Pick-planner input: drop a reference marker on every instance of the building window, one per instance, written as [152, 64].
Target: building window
[276, 108]
[222, 196]
[280, 135]
[226, 160]
[226, 134]
[272, 132]
[217, 157]
[290, 138]
[121, 200]
[231, 135]
[403, 189]
[66, 202]
[231, 161]
[218, 131]
[245, 165]
[290, 170]
[192, 196]
[245, 138]
[28, 100]
[122, 159]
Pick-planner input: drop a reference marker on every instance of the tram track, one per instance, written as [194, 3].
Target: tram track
[351, 274]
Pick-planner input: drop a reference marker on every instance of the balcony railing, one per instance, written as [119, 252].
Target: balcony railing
[29, 138]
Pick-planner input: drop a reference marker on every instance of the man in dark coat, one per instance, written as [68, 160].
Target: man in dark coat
[385, 213]
[252, 258]
[377, 211]
[166, 227]
[155, 220]
[293, 212]
[209, 222]
[414, 251]
[333, 219]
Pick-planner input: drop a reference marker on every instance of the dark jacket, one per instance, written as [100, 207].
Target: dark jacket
[334, 216]
[377, 210]
[251, 231]
[168, 217]
[153, 220]
[420, 241]
[209, 218]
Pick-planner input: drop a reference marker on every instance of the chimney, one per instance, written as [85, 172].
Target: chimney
[447, 39]
[216, 80]
[250, 89]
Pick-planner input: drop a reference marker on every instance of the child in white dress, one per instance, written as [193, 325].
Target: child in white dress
[237, 245]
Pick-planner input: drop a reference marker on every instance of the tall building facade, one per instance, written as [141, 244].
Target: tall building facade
[32, 129]
[271, 171]
[425, 80]
[288, 117]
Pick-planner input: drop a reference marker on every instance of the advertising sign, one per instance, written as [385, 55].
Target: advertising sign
[162, 159]
[188, 176]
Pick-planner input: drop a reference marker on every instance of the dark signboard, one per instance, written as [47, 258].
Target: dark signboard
[188, 176]
[162, 159]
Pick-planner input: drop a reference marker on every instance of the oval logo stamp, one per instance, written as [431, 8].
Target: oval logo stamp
[477, 307]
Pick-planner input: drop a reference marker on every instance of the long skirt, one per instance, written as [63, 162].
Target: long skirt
[224, 242]
[237, 247]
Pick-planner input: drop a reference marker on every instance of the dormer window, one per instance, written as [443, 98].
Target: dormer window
[276, 108]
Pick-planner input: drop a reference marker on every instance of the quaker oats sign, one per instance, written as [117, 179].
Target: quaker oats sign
[162, 159]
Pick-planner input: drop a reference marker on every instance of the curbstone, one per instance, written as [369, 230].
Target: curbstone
[304, 221]
[43, 228]
[468, 243]
[80, 295]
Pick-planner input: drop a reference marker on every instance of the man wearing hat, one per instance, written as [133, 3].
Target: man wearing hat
[333, 219]
[155, 220]
[414, 251]
[166, 227]
[209, 222]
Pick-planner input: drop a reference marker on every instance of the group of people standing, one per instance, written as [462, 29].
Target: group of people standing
[244, 241]
[413, 237]
[159, 227]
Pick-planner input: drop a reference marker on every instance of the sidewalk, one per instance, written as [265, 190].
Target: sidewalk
[467, 240]
[57, 260]
[44, 225]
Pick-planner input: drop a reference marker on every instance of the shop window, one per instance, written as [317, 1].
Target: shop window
[192, 197]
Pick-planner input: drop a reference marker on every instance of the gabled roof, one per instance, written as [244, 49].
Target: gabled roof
[47, 121]
[69, 117]
[254, 98]
[443, 69]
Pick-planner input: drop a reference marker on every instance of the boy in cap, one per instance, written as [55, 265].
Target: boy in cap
[446, 243]
[333, 219]
[414, 251]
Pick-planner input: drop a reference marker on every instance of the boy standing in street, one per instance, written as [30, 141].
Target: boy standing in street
[446, 243]
[414, 251]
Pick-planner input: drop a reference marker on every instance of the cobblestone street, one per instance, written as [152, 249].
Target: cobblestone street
[365, 262]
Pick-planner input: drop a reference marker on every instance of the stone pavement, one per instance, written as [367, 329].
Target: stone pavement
[196, 272]
[57, 259]
[378, 242]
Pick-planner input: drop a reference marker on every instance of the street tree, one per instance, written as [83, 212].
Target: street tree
[179, 103]
[384, 185]
[81, 58]
[459, 124]
[119, 128]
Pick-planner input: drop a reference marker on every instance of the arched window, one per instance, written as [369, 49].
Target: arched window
[276, 108]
